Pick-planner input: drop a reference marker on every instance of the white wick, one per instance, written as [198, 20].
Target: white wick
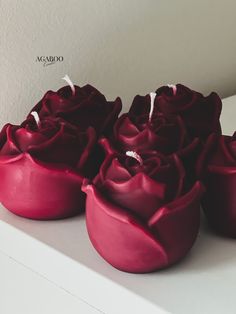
[70, 83]
[135, 156]
[174, 88]
[152, 97]
[36, 117]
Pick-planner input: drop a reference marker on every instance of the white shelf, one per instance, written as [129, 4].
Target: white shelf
[25, 292]
[203, 283]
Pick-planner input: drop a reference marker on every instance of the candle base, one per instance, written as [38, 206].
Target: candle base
[36, 190]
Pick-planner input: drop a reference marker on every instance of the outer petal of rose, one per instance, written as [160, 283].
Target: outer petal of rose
[176, 224]
[119, 238]
[37, 190]
[219, 203]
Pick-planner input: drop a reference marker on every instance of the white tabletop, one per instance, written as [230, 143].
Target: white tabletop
[26, 292]
[203, 283]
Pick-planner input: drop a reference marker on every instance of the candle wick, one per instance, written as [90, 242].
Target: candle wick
[135, 156]
[174, 88]
[152, 100]
[36, 117]
[70, 83]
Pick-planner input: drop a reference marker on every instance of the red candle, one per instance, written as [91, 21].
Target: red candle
[141, 214]
[42, 165]
[200, 114]
[82, 106]
[219, 175]
[145, 128]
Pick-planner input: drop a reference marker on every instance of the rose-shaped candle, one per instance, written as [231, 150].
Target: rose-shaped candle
[140, 214]
[219, 202]
[145, 128]
[200, 114]
[83, 106]
[42, 165]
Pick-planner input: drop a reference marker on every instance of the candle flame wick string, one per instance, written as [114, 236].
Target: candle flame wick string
[174, 88]
[134, 155]
[36, 117]
[70, 83]
[152, 100]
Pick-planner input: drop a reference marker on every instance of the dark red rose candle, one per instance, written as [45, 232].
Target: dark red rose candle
[42, 165]
[219, 202]
[83, 106]
[140, 214]
[145, 128]
[200, 114]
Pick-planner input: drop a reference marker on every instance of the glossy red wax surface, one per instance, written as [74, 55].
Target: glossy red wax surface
[42, 168]
[200, 114]
[86, 108]
[219, 201]
[142, 218]
[130, 245]
[164, 133]
[36, 190]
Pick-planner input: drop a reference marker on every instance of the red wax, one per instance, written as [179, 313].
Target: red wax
[42, 168]
[87, 107]
[142, 217]
[219, 202]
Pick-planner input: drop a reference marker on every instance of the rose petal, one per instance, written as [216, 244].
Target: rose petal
[200, 114]
[219, 202]
[3, 135]
[88, 107]
[184, 99]
[222, 155]
[25, 138]
[63, 147]
[141, 105]
[9, 147]
[36, 190]
[107, 146]
[205, 155]
[141, 195]
[177, 223]
[128, 137]
[119, 238]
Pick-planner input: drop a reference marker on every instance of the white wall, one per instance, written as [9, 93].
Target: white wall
[123, 47]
